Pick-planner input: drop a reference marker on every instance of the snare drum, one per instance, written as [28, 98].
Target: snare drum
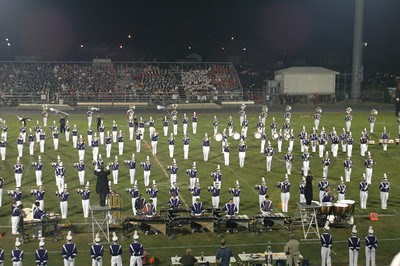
[350, 206]
[236, 135]
[218, 137]
[339, 209]
[325, 208]
[257, 135]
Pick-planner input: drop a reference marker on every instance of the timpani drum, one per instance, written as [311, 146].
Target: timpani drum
[350, 206]
[325, 208]
[339, 209]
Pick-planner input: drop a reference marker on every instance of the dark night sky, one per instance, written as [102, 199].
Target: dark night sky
[164, 29]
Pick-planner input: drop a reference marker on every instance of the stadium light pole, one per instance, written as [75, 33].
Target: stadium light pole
[358, 44]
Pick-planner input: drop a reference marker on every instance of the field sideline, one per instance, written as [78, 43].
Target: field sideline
[161, 246]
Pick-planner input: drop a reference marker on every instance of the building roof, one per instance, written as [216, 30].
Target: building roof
[306, 71]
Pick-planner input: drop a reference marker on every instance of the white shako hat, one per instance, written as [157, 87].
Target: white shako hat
[115, 237]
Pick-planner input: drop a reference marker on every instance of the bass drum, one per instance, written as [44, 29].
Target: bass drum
[218, 137]
[236, 135]
[257, 135]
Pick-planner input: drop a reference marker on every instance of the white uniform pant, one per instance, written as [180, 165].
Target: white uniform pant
[165, 129]
[41, 146]
[131, 131]
[60, 183]
[132, 173]
[95, 153]
[18, 180]
[136, 261]
[348, 126]
[363, 199]
[1, 197]
[353, 257]
[206, 151]
[194, 127]
[37, 137]
[20, 147]
[288, 168]
[215, 202]
[38, 174]
[97, 262]
[133, 206]
[384, 198]
[226, 158]
[172, 179]
[326, 256]
[184, 129]
[242, 157]
[55, 142]
[3, 153]
[370, 256]
[171, 151]
[192, 182]
[321, 195]
[115, 176]
[316, 124]
[384, 146]
[89, 121]
[313, 146]
[244, 130]
[45, 121]
[81, 175]
[262, 146]
[89, 140]
[306, 167]
[279, 145]
[285, 201]
[291, 142]
[116, 260]
[154, 203]
[74, 141]
[175, 128]
[363, 149]
[114, 136]
[154, 147]
[349, 150]
[302, 198]
[37, 229]
[344, 146]
[334, 149]
[230, 131]
[236, 201]
[31, 147]
[108, 151]
[81, 155]
[371, 127]
[64, 209]
[151, 131]
[69, 262]
[347, 174]
[185, 152]
[321, 149]
[85, 208]
[15, 224]
[341, 196]
[215, 130]
[146, 176]
[261, 199]
[67, 134]
[41, 204]
[101, 138]
[325, 171]
[268, 160]
[138, 145]
[141, 130]
[368, 175]
[120, 148]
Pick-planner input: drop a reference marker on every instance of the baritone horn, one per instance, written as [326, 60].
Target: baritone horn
[318, 110]
[288, 108]
[349, 110]
[374, 112]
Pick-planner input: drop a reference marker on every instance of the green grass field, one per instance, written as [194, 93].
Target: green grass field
[161, 246]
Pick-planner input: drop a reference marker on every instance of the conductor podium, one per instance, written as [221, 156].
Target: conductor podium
[308, 217]
[100, 221]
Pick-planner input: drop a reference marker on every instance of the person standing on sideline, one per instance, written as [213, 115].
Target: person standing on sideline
[41, 254]
[326, 246]
[354, 246]
[308, 191]
[96, 252]
[224, 254]
[384, 188]
[137, 251]
[17, 255]
[116, 251]
[102, 187]
[69, 251]
[371, 244]
[292, 251]
[188, 259]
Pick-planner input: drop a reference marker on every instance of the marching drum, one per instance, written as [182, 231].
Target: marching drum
[391, 141]
[325, 208]
[350, 206]
[218, 137]
[236, 135]
[372, 142]
[339, 209]
[257, 135]
[275, 135]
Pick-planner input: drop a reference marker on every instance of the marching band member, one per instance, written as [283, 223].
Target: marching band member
[185, 122]
[115, 170]
[20, 145]
[95, 147]
[16, 214]
[171, 145]
[242, 153]
[196, 190]
[37, 130]
[80, 166]
[55, 139]
[69, 251]
[115, 251]
[322, 186]
[192, 173]
[108, 141]
[197, 208]
[341, 189]
[1, 191]
[120, 139]
[224, 138]
[64, 195]
[41, 254]
[154, 142]
[39, 196]
[137, 251]
[245, 126]
[302, 190]
[291, 140]
[165, 126]
[302, 136]
[174, 190]
[132, 168]
[348, 166]
[4, 129]
[153, 192]
[231, 123]
[38, 170]
[289, 157]
[215, 125]
[85, 194]
[263, 188]
[354, 246]
[60, 175]
[146, 171]
[305, 143]
[230, 208]
[139, 204]
[31, 140]
[343, 140]
[131, 129]
[334, 144]
[363, 144]
[18, 169]
[286, 126]
[175, 123]
[264, 114]
[368, 168]
[149, 210]
[42, 138]
[371, 244]
[227, 149]
[206, 147]
[350, 142]
[17, 255]
[3, 146]
[74, 137]
[97, 252]
[114, 131]
[215, 192]
[186, 142]
[371, 120]
[305, 157]
[141, 127]
[81, 148]
[273, 126]
[217, 176]
[194, 122]
[364, 187]
[173, 169]
[16, 195]
[37, 216]
[348, 119]
[321, 145]
[102, 130]
[325, 164]
[384, 188]
[314, 140]
[151, 126]
[236, 195]
[266, 206]
[263, 140]
[67, 129]
[269, 152]
[260, 125]
[280, 139]
[385, 139]
[89, 136]
[317, 118]
[89, 115]
[139, 137]
[326, 246]
[134, 192]
[285, 193]
[45, 116]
